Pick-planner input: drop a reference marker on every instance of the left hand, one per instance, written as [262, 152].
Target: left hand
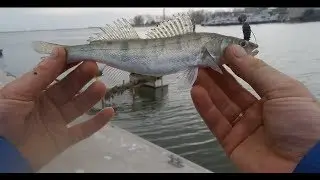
[34, 115]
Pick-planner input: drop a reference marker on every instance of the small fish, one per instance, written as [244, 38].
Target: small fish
[172, 47]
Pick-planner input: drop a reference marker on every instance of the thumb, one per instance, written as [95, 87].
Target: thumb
[264, 79]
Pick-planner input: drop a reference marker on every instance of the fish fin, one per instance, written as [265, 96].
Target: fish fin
[179, 25]
[121, 29]
[186, 78]
[44, 47]
[114, 76]
[208, 57]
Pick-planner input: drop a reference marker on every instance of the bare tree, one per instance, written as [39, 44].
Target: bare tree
[150, 20]
[220, 13]
[197, 17]
[138, 20]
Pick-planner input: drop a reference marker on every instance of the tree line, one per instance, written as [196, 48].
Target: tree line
[199, 16]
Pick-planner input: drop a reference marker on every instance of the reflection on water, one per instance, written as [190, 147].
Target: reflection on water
[168, 118]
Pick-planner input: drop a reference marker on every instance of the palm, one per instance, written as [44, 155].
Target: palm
[259, 137]
[42, 127]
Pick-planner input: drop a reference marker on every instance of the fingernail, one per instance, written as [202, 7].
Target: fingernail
[55, 52]
[238, 51]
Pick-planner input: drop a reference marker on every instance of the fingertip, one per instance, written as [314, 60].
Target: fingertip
[99, 87]
[236, 58]
[198, 94]
[53, 64]
[62, 52]
[58, 53]
[108, 112]
[196, 90]
[90, 67]
[233, 54]
[226, 55]
[104, 116]
[201, 71]
[87, 128]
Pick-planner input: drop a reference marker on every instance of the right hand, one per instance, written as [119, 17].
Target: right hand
[274, 132]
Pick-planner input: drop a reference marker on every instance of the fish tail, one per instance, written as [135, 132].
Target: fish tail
[44, 47]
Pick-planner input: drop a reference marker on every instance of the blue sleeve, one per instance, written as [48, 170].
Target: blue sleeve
[11, 161]
[310, 163]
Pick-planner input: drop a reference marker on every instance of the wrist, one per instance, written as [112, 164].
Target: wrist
[11, 160]
[310, 163]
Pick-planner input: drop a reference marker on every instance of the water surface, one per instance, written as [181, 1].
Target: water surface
[171, 120]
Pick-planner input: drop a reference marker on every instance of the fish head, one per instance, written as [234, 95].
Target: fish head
[248, 46]
[214, 48]
[216, 45]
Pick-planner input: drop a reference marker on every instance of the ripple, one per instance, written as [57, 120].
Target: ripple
[175, 137]
[192, 144]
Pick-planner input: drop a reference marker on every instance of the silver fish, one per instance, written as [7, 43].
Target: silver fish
[172, 47]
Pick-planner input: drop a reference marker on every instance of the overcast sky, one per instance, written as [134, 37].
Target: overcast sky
[16, 19]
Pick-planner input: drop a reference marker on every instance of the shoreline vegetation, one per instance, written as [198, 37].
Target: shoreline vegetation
[226, 18]
[222, 18]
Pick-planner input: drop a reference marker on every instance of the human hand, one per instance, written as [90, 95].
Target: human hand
[274, 132]
[34, 115]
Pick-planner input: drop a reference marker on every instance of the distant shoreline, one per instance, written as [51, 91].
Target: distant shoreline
[263, 22]
[203, 25]
[237, 23]
[33, 30]
[90, 27]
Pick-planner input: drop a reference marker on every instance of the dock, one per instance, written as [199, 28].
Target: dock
[154, 88]
[154, 82]
[114, 150]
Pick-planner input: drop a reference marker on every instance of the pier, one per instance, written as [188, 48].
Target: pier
[153, 82]
[114, 150]
[154, 88]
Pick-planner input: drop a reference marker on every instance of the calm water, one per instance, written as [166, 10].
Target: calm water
[171, 120]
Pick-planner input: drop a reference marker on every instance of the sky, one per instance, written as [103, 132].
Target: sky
[20, 19]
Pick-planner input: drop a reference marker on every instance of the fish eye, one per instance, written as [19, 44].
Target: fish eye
[243, 43]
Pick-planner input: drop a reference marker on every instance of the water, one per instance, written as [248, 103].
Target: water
[172, 121]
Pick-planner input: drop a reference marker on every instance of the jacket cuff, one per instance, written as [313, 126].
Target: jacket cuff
[11, 161]
[310, 163]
